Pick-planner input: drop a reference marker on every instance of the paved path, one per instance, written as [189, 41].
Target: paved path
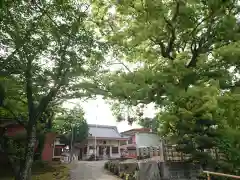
[90, 170]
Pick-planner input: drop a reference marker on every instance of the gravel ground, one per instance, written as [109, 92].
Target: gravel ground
[90, 170]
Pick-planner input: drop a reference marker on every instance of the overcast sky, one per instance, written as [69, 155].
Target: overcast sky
[99, 112]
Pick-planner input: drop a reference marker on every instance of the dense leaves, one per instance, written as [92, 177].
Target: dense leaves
[189, 68]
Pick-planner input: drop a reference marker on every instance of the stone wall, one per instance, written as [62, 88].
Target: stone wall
[168, 171]
[153, 170]
[181, 170]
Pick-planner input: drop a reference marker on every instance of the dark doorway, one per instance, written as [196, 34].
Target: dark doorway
[100, 150]
[80, 154]
[108, 150]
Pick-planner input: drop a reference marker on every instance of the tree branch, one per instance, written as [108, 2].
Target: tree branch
[168, 49]
[27, 35]
[162, 46]
[28, 72]
[29, 91]
[60, 77]
[205, 37]
[19, 99]
[53, 91]
[170, 46]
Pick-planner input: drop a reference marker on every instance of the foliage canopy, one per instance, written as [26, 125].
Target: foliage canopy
[188, 53]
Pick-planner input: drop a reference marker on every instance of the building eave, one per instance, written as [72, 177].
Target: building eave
[135, 130]
[108, 138]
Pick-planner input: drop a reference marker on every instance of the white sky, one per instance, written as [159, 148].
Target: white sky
[99, 112]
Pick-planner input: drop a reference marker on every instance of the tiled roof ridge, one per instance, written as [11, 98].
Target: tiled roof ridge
[137, 130]
[106, 126]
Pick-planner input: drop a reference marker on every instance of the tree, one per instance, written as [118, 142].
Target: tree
[72, 126]
[189, 56]
[193, 123]
[71, 121]
[45, 125]
[13, 105]
[13, 108]
[151, 123]
[53, 50]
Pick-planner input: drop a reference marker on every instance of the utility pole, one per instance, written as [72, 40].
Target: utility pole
[95, 146]
[96, 138]
[71, 153]
[151, 126]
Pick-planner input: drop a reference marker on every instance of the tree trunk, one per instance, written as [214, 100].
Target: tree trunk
[29, 176]
[40, 141]
[25, 169]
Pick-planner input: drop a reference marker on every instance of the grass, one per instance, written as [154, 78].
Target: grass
[41, 171]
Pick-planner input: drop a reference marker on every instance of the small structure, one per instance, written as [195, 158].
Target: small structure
[58, 148]
[103, 140]
[130, 148]
[140, 140]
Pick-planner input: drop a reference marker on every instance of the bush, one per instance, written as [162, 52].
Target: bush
[121, 175]
[112, 166]
[129, 176]
[116, 170]
[106, 165]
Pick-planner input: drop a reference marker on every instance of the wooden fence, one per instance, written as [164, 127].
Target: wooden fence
[169, 153]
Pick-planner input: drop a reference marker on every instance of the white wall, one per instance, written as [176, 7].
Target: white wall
[116, 155]
[57, 141]
[147, 139]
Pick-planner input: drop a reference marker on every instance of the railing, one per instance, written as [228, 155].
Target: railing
[169, 153]
[219, 174]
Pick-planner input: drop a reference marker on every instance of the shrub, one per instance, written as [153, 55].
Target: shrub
[106, 165]
[111, 167]
[126, 177]
[129, 176]
[121, 175]
[116, 170]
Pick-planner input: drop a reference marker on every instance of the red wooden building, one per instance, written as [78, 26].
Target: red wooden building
[52, 146]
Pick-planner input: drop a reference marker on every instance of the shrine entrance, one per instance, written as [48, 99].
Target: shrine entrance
[101, 150]
[104, 151]
[108, 151]
[80, 154]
